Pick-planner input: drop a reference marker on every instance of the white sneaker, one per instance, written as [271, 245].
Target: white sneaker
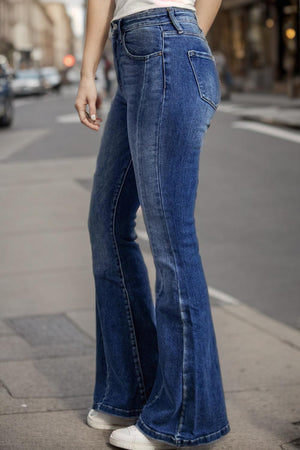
[105, 421]
[133, 439]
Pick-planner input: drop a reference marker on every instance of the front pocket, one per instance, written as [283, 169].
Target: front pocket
[142, 42]
[206, 76]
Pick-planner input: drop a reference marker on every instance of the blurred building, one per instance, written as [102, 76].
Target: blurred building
[260, 39]
[34, 33]
[63, 36]
[26, 32]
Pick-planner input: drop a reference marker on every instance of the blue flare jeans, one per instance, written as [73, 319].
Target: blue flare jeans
[156, 360]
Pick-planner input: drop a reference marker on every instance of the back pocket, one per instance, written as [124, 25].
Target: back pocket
[206, 76]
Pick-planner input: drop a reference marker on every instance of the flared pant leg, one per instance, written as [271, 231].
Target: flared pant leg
[167, 122]
[126, 358]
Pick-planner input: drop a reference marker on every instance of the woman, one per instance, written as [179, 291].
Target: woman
[158, 379]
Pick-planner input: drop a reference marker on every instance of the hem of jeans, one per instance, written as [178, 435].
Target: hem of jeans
[134, 413]
[180, 442]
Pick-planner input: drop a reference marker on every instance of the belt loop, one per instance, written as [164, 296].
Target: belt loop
[114, 26]
[120, 28]
[174, 20]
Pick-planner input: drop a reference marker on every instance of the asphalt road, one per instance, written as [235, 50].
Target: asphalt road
[247, 211]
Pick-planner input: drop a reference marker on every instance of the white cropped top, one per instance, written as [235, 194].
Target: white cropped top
[125, 7]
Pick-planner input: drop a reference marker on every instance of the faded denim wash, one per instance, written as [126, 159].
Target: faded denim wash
[157, 360]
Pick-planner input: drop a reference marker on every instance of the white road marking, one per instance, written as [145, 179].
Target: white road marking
[222, 297]
[249, 110]
[264, 114]
[267, 129]
[68, 118]
[74, 118]
[18, 140]
[21, 102]
[142, 235]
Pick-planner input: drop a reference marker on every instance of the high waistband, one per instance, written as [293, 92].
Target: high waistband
[152, 14]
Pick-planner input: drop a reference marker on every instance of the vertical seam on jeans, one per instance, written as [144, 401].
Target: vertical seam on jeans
[148, 225]
[180, 421]
[107, 370]
[130, 318]
[137, 135]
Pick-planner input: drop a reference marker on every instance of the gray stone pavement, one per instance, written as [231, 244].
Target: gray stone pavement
[273, 109]
[47, 336]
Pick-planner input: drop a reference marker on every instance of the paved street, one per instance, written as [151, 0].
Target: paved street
[247, 218]
[248, 192]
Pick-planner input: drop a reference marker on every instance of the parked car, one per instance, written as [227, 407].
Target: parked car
[6, 93]
[52, 78]
[28, 82]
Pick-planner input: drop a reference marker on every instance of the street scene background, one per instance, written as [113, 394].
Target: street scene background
[247, 216]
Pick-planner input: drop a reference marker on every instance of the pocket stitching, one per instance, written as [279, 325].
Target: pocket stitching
[185, 33]
[209, 56]
[137, 57]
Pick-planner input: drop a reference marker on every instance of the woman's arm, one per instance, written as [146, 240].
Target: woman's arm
[206, 11]
[98, 17]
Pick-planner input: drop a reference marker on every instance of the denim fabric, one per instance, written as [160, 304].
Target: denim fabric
[157, 360]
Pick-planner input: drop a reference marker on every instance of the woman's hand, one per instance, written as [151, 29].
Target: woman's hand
[98, 18]
[87, 95]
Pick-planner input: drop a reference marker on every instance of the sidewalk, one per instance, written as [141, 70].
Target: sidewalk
[47, 333]
[278, 110]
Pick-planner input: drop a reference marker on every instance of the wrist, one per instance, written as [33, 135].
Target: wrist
[85, 76]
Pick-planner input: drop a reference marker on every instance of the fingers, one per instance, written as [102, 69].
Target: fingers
[85, 119]
[92, 110]
[90, 118]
